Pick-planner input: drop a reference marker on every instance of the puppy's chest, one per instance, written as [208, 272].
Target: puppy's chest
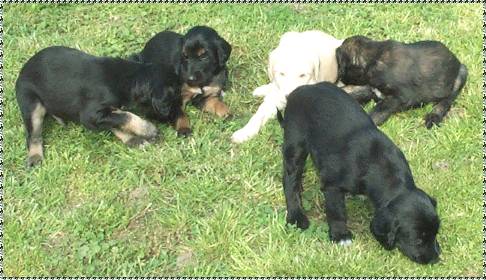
[189, 92]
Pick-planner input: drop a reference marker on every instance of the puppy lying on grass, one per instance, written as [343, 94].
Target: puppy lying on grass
[71, 85]
[200, 58]
[353, 156]
[301, 58]
[408, 75]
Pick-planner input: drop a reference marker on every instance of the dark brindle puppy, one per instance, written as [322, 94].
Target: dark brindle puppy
[71, 85]
[408, 75]
[200, 58]
[353, 156]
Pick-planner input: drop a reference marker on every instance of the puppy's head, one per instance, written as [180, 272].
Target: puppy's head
[410, 223]
[353, 57]
[289, 69]
[204, 54]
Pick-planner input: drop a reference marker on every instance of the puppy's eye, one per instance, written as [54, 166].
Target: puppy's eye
[281, 74]
[302, 75]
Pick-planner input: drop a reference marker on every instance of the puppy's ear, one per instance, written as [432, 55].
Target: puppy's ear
[340, 62]
[384, 227]
[316, 72]
[270, 66]
[223, 50]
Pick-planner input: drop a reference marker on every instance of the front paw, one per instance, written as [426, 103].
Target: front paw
[431, 119]
[260, 91]
[342, 238]
[184, 132]
[241, 136]
[298, 219]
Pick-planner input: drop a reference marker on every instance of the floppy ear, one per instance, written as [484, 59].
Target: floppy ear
[384, 227]
[341, 64]
[162, 101]
[271, 65]
[223, 50]
[317, 74]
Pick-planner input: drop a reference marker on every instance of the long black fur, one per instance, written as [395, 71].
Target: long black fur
[353, 156]
[408, 75]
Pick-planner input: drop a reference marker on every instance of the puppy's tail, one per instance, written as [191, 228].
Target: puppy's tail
[136, 57]
[460, 79]
[280, 118]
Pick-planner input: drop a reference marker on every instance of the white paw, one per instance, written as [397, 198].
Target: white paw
[260, 91]
[241, 136]
[345, 242]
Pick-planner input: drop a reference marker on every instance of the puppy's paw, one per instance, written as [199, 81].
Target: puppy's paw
[298, 219]
[150, 131]
[241, 136]
[184, 132]
[341, 238]
[34, 160]
[260, 91]
[137, 142]
[431, 119]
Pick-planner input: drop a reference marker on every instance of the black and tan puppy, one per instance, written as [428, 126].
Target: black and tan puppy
[71, 85]
[200, 58]
[408, 75]
[353, 156]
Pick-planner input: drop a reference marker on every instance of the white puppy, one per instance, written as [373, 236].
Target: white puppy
[301, 58]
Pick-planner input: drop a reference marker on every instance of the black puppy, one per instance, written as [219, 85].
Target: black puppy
[408, 75]
[199, 57]
[353, 156]
[71, 85]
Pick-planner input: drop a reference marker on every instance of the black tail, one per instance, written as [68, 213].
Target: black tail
[280, 118]
[136, 57]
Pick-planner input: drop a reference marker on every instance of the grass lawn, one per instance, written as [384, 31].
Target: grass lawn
[203, 206]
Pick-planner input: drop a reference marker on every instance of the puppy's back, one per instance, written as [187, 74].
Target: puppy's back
[324, 110]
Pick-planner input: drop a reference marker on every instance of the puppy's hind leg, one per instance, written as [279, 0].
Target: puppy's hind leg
[294, 156]
[439, 111]
[33, 113]
[128, 127]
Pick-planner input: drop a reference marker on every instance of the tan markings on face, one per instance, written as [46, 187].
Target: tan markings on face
[123, 136]
[182, 122]
[137, 125]
[215, 106]
[200, 51]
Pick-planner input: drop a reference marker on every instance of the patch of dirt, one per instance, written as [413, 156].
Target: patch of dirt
[185, 258]
[440, 165]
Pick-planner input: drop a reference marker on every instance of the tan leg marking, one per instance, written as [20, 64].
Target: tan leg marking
[137, 125]
[37, 118]
[216, 106]
[188, 93]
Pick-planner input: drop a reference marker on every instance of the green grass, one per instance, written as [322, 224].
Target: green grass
[203, 206]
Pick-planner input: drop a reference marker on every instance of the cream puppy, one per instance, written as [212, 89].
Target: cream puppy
[301, 58]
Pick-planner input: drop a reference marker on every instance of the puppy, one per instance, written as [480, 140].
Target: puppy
[353, 156]
[301, 58]
[408, 75]
[200, 58]
[71, 85]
